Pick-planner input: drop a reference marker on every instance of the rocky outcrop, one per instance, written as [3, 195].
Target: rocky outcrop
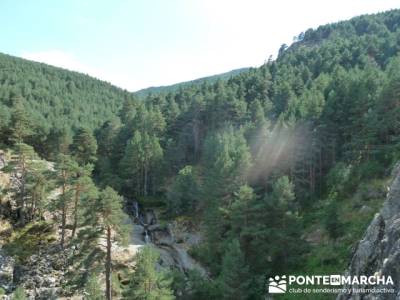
[173, 246]
[7, 264]
[378, 253]
[172, 240]
[40, 276]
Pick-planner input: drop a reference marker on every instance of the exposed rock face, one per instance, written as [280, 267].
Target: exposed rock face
[3, 161]
[6, 271]
[170, 240]
[172, 246]
[40, 276]
[378, 253]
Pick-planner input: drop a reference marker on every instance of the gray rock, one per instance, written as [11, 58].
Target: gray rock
[38, 280]
[162, 237]
[3, 161]
[46, 293]
[50, 281]
[7, 264]
[378, 253]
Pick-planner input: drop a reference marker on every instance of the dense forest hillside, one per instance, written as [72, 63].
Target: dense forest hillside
[177, 86]
[55, 99]
[278, 169]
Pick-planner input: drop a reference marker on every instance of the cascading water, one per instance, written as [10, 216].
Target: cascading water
[136, 209]
[146, 237]
[162, 238]
[142, 221]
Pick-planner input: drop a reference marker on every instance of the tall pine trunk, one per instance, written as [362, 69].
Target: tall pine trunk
[76, 203]
[21, 211]
[145, 180]
[63, 217]
[108, 265]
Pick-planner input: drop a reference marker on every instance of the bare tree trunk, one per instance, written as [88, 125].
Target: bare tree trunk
[76, 203]
[22, 199]
[63, 217]
[63, 224]
[33, 208]
[108, 265]
[145, 180]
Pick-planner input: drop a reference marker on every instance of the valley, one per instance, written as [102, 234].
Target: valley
[205, 189]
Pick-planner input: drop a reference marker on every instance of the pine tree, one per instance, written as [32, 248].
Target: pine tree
[58, 142]
[234, 273]
[147, 283]
[330, 219]
[131, 164]
[258, 114]
[5, 116]
[21, 126]
[65, 168]
[387, 114]
[111, 219]
[84, 146]
[38, 189]
[184, 192]
[83, 186]
[25, 156]
[93, 289]
[241, 215]
[227, 161]
[142, 154]
[283, 194]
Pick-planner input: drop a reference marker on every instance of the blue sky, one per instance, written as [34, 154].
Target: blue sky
[139, 43]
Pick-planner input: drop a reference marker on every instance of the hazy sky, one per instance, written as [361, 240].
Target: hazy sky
[139, 43]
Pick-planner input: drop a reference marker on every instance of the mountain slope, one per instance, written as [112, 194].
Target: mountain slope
[277, 170]
[56, 97]
[177, 86]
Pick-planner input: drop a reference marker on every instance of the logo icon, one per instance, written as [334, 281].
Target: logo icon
[277, 285]
[335, 280]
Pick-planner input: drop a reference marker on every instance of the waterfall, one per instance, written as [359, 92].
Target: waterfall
[149, 231]
[141, 220]
[146, 236]
[136, 209]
